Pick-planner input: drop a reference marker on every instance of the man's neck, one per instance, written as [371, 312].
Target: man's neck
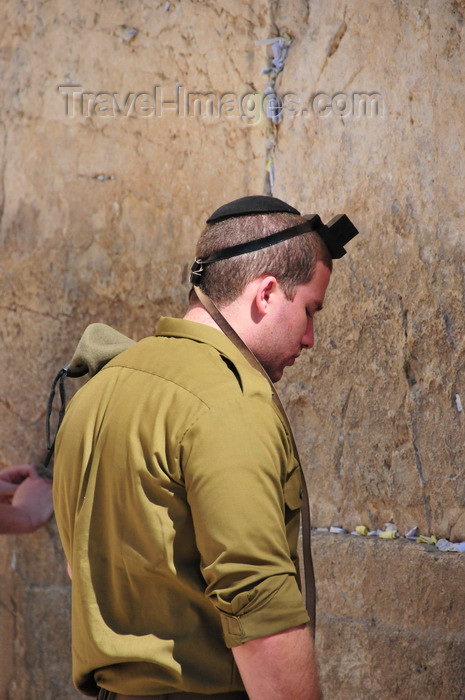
[234, 313]
[199, 314]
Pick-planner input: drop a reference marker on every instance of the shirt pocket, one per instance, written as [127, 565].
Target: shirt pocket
[293, 490]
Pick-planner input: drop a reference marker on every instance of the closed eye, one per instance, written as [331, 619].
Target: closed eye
[311, 313]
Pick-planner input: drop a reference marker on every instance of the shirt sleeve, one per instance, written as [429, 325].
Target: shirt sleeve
[243, 488]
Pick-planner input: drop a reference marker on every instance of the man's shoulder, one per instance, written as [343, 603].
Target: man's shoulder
[210, 372]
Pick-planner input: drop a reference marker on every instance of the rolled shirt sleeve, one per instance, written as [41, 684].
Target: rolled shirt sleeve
[243, 488]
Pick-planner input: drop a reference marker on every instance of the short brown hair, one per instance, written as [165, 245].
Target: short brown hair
[292, 262]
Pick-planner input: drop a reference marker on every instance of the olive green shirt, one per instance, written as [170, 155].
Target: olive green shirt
[177, 497]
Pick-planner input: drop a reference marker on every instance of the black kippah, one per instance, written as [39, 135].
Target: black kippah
[256, 204]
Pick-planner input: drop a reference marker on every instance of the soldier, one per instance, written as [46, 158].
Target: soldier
[177, 486]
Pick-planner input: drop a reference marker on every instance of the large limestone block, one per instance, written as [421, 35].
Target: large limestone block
[35, 599]
[389, 619]
[101, 205]
[376, 407]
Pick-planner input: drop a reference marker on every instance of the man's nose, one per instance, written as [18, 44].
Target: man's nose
[308, 338]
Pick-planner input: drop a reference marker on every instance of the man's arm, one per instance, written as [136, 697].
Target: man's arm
[279, 667]
[25, 500]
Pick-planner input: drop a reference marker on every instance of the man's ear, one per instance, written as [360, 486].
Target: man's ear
[265, 293]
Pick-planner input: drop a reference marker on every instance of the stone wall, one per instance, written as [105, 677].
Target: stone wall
[102, 197]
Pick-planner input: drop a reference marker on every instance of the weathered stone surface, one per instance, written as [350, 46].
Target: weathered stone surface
[380, 390]
[394, 610]
[35, 639]
[100, 204]
[100, 213]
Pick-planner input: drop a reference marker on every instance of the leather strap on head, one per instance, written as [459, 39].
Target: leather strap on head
[339, 231]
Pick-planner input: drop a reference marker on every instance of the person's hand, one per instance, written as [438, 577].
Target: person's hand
[33, 498]
[26, 501]
[11, 477]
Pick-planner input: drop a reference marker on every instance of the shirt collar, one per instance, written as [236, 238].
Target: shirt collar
[200, 332]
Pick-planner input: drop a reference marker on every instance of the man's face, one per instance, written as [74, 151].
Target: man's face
[289, 326]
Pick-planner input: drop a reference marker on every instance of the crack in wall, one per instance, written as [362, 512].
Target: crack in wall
[334, 44]
[277, 47]
[341, 437]
[45, 314]
[336, 40]
[2, 172]
[414, 393]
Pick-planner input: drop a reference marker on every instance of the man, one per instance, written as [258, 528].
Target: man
[177, 488]
[25, 500]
